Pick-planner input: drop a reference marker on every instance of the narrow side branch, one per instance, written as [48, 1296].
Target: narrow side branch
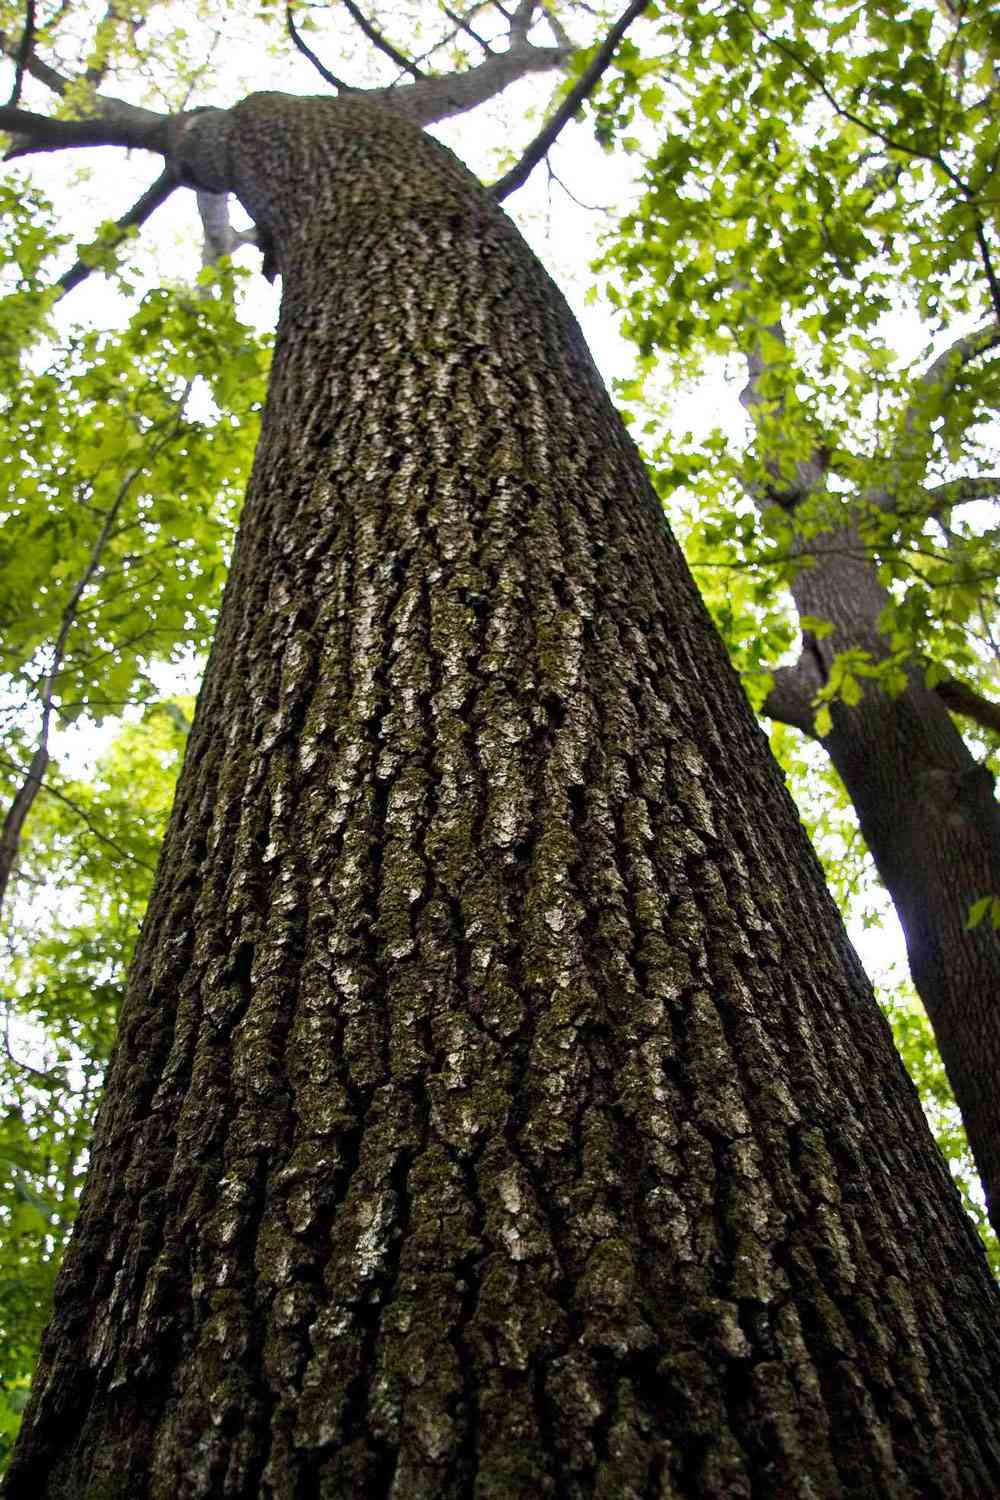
[381, 42]
[581, 90]
[959, 698]
[140, 211]
[299, 41]
[24, 51]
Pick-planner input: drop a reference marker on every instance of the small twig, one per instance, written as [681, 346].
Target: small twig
[558, 30]
[984, 253]
[300, 42]
[382, 43]
[140, 211]
[580, 91]
[85, 818]
[24, 52]
[24, 798]
[49, 1076]
[591, 208]
[465, 25]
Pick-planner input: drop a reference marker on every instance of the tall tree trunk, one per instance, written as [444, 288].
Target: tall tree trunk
[929, 816]
[498, 1108]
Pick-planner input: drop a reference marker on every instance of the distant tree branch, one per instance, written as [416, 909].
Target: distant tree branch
[959, 698]
[955, 492]
[140, 211]
[790, 699]
[31, 785]
[785, 490]
[79, 812]
[989, 269]
[381, 42]
[24, 51]
[34, 67]
[939, 378]
[303, 46]
[220, 238]
[558, 30]
[580, 91]
[462, 23]
[49, 1077]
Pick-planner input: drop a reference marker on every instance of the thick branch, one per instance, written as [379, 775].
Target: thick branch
[938, 380]
[809, 473]
[119, 124]
[220, 238]
[580, 91]
[959, 698]
[931, 391]
[520, 21]
[790, 700]
[35, 68]
[434, 99]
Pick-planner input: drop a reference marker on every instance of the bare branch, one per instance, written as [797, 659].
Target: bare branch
[989, 270]
[27, 792]
[520, 22]
[35, 68]
[119, 124]
[21, 805]
[580, 91]
[441, 98]
[382, 43]
[24, 51]
[562, 37]
[220, 238]
[303, 46]
[959, 698]
[140, 211]
[463, 24]
[790, 699]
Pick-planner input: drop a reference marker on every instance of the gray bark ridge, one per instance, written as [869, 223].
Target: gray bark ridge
[498, 1109]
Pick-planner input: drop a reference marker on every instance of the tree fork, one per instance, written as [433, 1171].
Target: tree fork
[498, 1108]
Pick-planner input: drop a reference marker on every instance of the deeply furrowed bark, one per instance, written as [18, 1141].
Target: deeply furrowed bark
[498, 1109]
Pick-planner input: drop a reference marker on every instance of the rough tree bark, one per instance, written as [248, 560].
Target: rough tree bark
[498, 1108]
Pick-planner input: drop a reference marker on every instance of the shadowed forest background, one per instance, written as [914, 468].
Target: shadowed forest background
[808, 232]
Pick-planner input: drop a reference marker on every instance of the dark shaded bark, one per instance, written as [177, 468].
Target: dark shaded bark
[929, 816]
[498, 1108]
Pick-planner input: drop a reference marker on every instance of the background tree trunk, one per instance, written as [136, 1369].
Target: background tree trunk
[498, 1108]
[929, 816]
